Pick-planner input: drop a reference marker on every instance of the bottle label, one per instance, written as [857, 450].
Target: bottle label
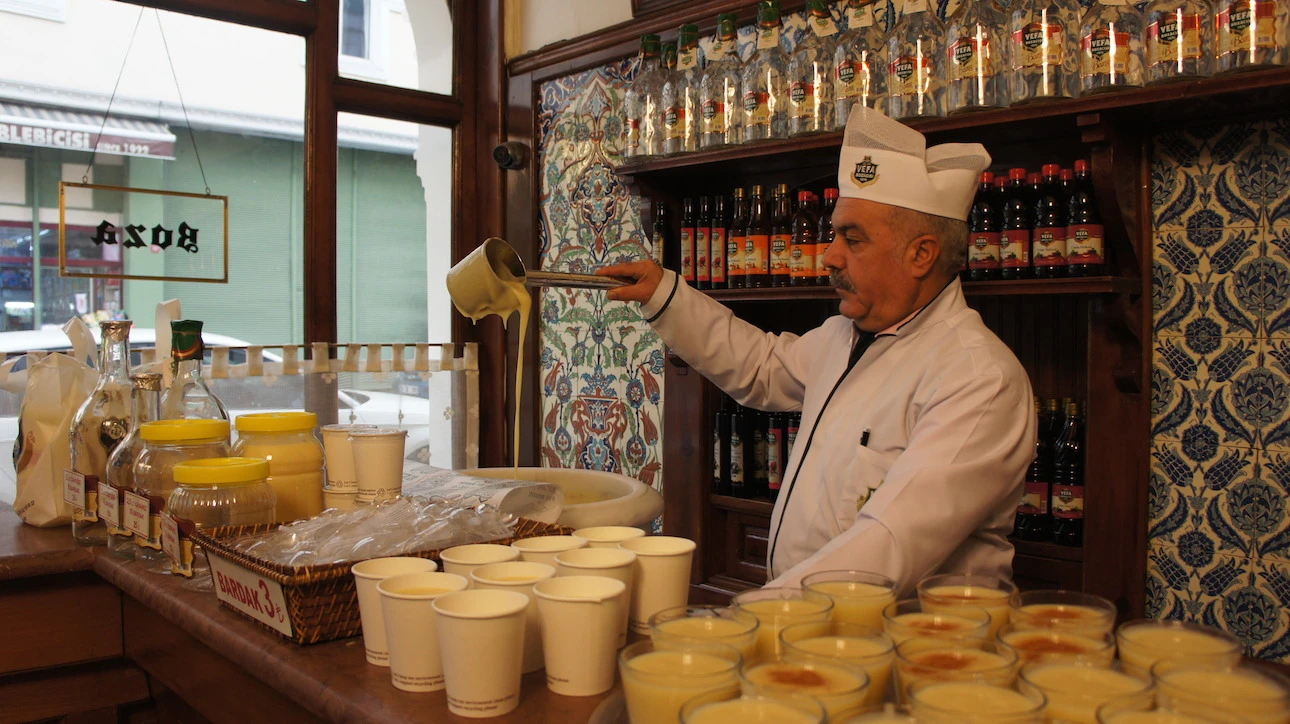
[140, 520]
[74, 489]
[791, 439]
[983, 250]
[802, 261]
[717, 446]
[633, 135]
[915, 6]
[1034, 501]
[1048, 246]
[756, 254]
[1084, 244]
[774, 466]
[801, 96]
[717, 245]
[1014, 248]
[760, 452]
[177, 546]
[1038, 45]
[737, 459]
[822, 25]
[674, 122]
[780, 256]
[110, 509]
[701, 254]
[1068, 501]
[909, 75]
[821, 247]
[858, 16]
[687, 253]
[735, 255]
[845, 72]
[1105, 53]
[720, 49]
[714, 116]
[768, 38]
[1174, 37]
[687, 59]
[1242, 28]
[756, 109]
[657, 242]
[969, 57]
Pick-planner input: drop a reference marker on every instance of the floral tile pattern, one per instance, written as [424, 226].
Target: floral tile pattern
[1218, 523]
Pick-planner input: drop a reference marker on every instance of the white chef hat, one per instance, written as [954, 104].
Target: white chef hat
[888, 162]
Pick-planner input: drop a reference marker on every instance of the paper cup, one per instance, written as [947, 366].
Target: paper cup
[543, 549]
[662, 576]
[340, 499]
[481, 643]
[340, 457]
[366, 575]
[411, 632]
[378, 462]
[608, 536]
[464, 559]
[614, 563]
[519, 576]
[580, 617]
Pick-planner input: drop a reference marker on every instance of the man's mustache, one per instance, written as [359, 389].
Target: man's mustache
[840, 281]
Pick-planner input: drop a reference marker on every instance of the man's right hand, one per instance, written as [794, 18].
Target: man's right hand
[646, 274]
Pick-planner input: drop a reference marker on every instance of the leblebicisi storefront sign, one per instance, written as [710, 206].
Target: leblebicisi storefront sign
[183, 239]
[51, 136]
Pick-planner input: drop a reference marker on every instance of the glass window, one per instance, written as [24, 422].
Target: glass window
[403, 43]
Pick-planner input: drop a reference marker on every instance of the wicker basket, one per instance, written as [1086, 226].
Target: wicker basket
[319, 602]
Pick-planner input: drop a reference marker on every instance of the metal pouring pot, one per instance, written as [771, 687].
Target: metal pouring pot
[506, 265]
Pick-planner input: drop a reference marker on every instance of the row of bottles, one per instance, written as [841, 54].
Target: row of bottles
[1052, 503]
[1043, 225]
[756, 240]
[104, 433]
[983, 57]
[751, 449]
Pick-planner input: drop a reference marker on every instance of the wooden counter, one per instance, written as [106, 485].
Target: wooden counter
[26, 552]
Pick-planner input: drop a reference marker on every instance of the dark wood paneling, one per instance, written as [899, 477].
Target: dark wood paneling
[1032, 572]
[93, 690]
[747, 542]
[321, 51]
[58, 620]
[687, 461]
[403, 104]
[283, 16]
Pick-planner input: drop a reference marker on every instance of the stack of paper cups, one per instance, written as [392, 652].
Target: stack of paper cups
[378, 462]
[341, 477]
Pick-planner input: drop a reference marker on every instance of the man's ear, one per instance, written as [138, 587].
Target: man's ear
[921, 255]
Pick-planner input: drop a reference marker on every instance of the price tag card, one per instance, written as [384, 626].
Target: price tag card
[110, 509]
[137, 519]
[74, 489]
[250, 593]
[823, 27]
[177, 545]
[170, 537]
[687, 59]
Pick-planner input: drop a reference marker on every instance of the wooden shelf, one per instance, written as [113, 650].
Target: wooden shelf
[1175, 102]
[1020, 287]
[1047, 550]
[742, 505]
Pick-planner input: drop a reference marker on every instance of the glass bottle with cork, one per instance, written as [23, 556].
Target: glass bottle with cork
[717, 238]
[702, 240]
[681, 94]
[974, 77]
[824, 237]
[915, 50]
[756, 264]
[810, 87]
[775, 458]
[1044, 50]
[1112, 56]
[859, 64]
[659, 233]
[759, 475]
[781, 238]
[98, 427]
[763, 82]
[145, 407]
[188, 395]
[1048, 240]
[1034, 522]
[1086, 252]
[721, 430]
[1014, 237]
[735, 277]
[740, 443]
[641, 139]
[1067, 501]
[1251, 34]
[1180, 40]
[688, 224]
[721, 122]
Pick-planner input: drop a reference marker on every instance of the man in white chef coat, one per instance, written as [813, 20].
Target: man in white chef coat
[917, 421]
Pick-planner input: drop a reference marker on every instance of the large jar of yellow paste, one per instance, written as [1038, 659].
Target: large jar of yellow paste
[286, 440]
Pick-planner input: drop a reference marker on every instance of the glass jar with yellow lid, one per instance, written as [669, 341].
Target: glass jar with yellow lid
[287, 441]
[167, 443]
[223, 491]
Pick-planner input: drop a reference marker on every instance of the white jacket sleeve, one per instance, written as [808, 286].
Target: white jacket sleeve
[758, 369]
[965, 462]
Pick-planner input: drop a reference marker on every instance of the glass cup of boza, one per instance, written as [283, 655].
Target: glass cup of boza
[949, 591]
[1080, 614]
[859, 597]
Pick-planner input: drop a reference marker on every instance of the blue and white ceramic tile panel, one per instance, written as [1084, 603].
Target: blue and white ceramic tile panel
[1219, 534]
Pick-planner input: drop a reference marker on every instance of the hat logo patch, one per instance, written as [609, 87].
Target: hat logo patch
[866, 172]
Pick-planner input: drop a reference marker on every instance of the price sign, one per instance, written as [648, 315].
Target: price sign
[137, 518]
[170, 538]
[74, 489]
[250, 593]
[110, 508]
